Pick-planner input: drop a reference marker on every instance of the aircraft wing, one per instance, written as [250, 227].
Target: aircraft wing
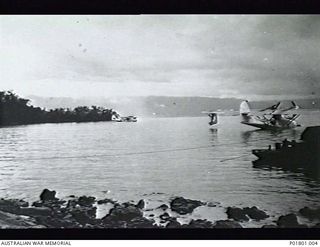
[273, 107]
[280, 111]
[208, 112]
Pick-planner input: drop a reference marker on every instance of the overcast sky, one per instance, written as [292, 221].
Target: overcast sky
[256, 57]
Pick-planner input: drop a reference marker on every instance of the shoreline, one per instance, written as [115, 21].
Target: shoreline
[82, 212]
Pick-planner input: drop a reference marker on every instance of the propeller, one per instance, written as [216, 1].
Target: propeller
[273, 107]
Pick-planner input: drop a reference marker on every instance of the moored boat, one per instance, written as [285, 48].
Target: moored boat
[129, 119]
[301, 155]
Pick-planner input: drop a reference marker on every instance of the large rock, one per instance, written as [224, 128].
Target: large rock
[12, 221]
[184, 206]
[53, 204]
[240, 214]
[164, 207]
[44, 211]
[237, 214]
[13, 202]
[38, 204]
[226, 224]
[126, 215]
[48, 195]
[86, 201]
[82, 201]
[107, 200]
[289, 221]
[255, 213]
[141, 222]
[200, 223]
[173, 223]
[84, 215]
[81, 210]
[123, 212]
[309, 213]
[211, 204]
[50, 204]
[53, 222]
[12, 205]
[141, 204]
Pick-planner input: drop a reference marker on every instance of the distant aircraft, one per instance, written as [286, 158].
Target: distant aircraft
[213, 117]
[270, 121]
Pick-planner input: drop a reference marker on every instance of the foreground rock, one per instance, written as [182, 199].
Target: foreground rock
[20, 207]
[173, 223]
[200, 224]
[311, 214]
[226, 224]
[237, 214]
[105, 201]
[240, 214]
[48, 199]
[80, 212]
[127, 215]
[8, 220]
[141, 204]
[184, 206]
[289, 221]
[255, 213]
[12, 205]
[48, 195]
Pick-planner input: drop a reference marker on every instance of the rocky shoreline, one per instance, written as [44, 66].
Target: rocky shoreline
[81, 212]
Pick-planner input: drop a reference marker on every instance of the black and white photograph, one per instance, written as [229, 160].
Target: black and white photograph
[159, 121]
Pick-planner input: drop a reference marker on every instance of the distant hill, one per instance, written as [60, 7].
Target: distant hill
[188, 106]
[302, 103]
[164, 106]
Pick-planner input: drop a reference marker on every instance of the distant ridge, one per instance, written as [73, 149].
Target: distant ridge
[163, 106]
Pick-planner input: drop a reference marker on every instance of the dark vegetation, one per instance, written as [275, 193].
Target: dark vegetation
[15, 110]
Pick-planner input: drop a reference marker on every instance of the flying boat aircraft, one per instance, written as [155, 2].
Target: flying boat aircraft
[275, 119]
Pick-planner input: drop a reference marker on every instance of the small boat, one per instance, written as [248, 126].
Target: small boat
[117, 118]
[129, 119]
[213, 118]
[302, 155]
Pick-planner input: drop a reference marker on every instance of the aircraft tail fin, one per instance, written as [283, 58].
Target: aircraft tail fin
[245, 111]
[244, 108]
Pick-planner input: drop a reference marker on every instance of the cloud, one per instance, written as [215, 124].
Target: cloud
[268, 56]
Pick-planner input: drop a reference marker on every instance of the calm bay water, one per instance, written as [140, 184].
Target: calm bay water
[155, 159]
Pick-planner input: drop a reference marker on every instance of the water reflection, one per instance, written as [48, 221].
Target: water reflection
[213, 135]
[260, 137]
[292, 171]
[246, 135]
[128, 177]
[263, 135]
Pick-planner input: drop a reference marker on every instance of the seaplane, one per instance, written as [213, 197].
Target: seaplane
[275, 119]
[117, 118]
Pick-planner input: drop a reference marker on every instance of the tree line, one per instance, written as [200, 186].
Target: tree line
[15, 110]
